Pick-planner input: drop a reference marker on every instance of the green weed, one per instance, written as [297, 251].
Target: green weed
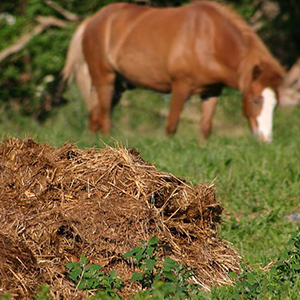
[163, 278]
[87, 277]
[281, 281]
[159, 277]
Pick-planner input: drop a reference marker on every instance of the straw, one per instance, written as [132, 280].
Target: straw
[57, 203]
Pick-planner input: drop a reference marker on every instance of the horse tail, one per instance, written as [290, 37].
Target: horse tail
[76, 67]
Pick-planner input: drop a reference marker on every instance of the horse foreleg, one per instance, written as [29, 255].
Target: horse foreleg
[208, 108]
[100, 114]
[180, 93]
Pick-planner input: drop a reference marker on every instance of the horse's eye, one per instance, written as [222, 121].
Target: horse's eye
[256, 100]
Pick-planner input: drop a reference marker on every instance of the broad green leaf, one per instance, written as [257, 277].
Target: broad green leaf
[136, 276]
[150, 251]
[75, 274]
[113, 274]
[169, 264]
[72, 265]
[93, 268]
[106, 282]
[153, 241]
[118, 283]
[150, 264]
[83, 260]
[169, 275]
[140, 255]
[133, 252]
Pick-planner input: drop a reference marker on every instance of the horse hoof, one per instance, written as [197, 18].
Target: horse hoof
[169, 133]
[93, 127]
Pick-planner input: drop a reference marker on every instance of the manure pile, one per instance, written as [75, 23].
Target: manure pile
[57, 203]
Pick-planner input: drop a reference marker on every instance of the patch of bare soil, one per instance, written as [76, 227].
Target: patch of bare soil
[57, 203]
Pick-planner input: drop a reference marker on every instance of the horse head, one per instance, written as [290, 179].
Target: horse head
[261, 98]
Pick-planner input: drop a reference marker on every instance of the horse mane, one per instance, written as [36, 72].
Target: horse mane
[256, 55]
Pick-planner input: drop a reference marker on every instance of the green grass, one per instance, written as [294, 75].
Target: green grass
[257, 184]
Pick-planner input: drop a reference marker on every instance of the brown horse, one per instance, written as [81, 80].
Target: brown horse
[197, 48]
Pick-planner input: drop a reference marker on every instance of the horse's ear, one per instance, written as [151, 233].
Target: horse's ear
[256, 71]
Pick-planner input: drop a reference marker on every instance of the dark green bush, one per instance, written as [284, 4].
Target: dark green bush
[30, 78]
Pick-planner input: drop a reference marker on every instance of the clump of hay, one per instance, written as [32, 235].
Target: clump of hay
[57, 203]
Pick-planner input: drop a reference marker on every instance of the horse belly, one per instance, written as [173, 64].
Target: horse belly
[144, 72]
[142, 65]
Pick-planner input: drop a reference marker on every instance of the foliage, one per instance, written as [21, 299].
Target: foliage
[145, 258]
[162, 277]
[31, 78]
[88, 277]
[287, 268]
[280, 282]
[159, 277]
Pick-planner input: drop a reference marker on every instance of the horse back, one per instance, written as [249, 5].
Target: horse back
[162, 45]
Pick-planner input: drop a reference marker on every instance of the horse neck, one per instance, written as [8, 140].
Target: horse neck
[257, 55]
[253, 50]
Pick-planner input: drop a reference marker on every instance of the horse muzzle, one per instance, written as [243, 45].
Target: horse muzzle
[265, 118]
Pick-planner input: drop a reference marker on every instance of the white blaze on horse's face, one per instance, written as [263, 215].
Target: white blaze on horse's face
[265, 118]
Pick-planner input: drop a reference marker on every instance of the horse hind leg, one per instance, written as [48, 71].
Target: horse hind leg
[100, 113]
[208, 107]
[102, 79]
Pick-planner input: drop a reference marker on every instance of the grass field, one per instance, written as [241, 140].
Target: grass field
[257, 184]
